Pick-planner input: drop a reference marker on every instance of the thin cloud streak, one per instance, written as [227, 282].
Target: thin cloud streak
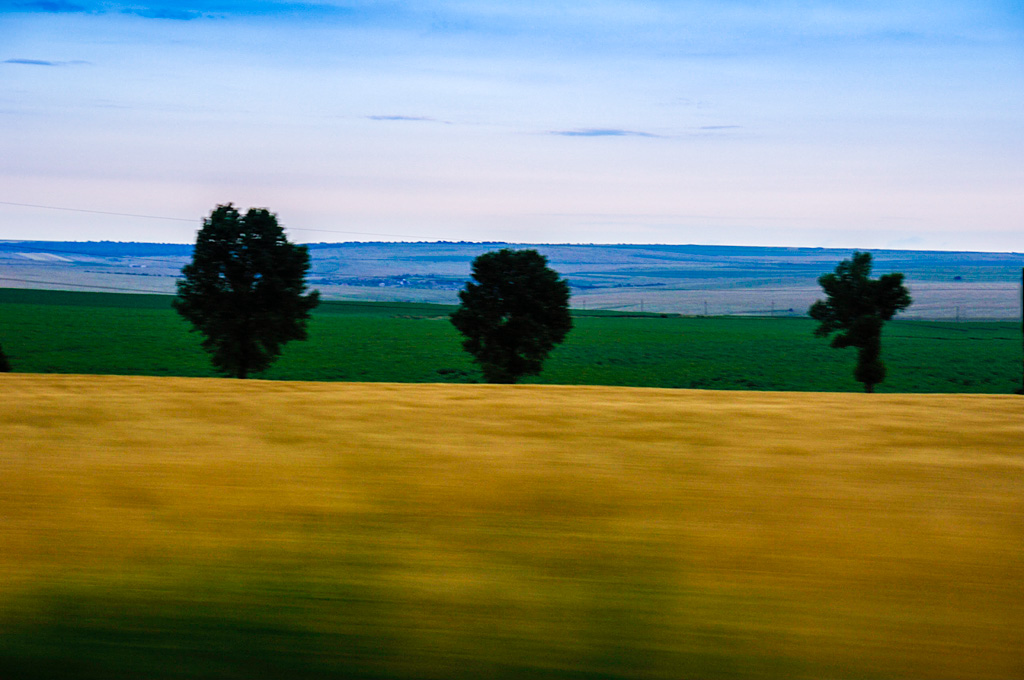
[165, 13]
[408, 119]
[31, 62]
[188, 10]
[602, 132]
[51, 7]
[43, 62]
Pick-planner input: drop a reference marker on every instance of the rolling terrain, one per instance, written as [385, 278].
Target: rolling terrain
[689, 280]
[197, 528]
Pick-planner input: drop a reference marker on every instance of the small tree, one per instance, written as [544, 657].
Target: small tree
[514, 315]
[244, 290]
[5, 365]
[856, 308]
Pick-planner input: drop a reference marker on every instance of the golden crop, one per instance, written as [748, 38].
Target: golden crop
[535, 529]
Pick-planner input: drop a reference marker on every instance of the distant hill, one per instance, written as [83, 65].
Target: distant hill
[98, 248]
[689, 279]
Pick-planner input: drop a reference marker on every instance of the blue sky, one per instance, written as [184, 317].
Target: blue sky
[794, 123]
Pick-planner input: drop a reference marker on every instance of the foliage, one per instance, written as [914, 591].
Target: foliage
[244, 290]
[5, 365]
[514, 315]
[855, 309]
[69, 332]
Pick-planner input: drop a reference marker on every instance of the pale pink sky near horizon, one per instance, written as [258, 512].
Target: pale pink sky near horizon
[834, 124]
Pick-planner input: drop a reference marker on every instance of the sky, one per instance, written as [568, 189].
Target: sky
[860, 124]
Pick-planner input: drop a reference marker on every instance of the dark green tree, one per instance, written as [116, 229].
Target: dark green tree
[245, 290]
[855, 309]
[5, 365]
[513, 315]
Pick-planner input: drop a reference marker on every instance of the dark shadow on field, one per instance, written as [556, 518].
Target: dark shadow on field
[600, 627]
[86, 636]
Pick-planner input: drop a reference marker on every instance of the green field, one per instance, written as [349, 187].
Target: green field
[106, 333]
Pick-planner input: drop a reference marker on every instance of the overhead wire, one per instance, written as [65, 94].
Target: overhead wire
[192, 220]
[96, 212]
[8, 246]
[175, 260]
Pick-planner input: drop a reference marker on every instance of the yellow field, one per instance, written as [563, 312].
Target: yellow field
[508, 531]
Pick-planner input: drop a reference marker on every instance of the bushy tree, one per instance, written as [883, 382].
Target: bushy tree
[855, 309]
[245, 290]
[5, 365]
[514, 313]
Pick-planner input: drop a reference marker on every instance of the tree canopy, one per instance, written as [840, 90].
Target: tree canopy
[514, 313]
[245, 290]
[5, 365]
[855, 309]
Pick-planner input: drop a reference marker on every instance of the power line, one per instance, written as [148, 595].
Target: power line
[97, 212]
[184, 219]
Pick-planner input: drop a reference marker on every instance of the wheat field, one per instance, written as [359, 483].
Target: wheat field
[207, 528]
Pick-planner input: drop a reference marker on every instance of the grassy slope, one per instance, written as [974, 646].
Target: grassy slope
[184, 528]
[44, 331]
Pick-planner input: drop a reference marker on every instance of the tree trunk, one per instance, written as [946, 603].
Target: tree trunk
[870, 370]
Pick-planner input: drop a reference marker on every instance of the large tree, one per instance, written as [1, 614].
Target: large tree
[245, 290]
[855, 309]
[514, 313]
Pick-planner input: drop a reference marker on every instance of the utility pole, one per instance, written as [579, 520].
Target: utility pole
[705, 308]
[1021, 390]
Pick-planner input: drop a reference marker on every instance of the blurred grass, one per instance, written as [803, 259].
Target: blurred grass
[105, 333]
[197, 528]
